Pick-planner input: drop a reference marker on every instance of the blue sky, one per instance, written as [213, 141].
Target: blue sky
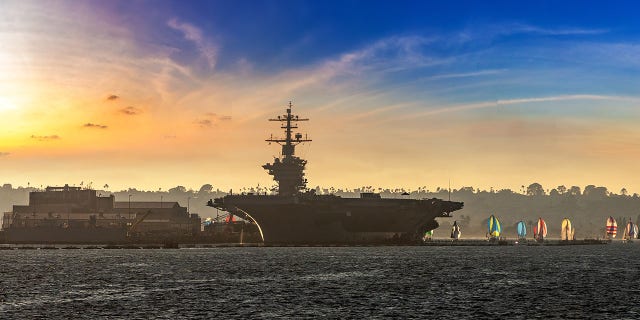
[276, 33]
[488, 94]
[525, 49]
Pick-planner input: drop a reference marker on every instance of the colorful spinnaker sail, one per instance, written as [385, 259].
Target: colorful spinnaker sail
[631, 231]
[540, 230]
[612, 227]
[566, 232]
[522, 230]
[494, 227]
[455, 231]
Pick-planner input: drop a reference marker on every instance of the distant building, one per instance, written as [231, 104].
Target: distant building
[73, 214]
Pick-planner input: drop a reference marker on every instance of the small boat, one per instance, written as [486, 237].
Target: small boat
[631, 231]
[522, 230]
[455, 231]
[566, 232]
[611, 228]
[540, 230]
[494, 228]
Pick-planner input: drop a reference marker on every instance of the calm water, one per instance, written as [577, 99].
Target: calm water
[371, 282]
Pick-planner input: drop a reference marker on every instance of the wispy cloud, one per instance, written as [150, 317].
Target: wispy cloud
[491, 32]
[205, 123]
[210, 119]
[526, 28]
[217, 116]
[130, 111]
[94, 125]
[466, 74]
[4, 154]
[192, 33]
[46, 138]
[369, 63]
[113, 97]
[507, 102]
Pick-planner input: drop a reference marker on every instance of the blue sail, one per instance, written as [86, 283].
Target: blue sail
[522, 230]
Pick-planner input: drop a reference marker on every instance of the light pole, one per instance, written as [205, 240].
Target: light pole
[129, 208]
[161, 202]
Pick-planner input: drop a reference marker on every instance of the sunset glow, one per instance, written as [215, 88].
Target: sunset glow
[161, 93]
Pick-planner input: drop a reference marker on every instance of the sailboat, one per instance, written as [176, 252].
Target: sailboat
[566, 232]
[494, 228]
[522, 230]
[455, 231]
[631, 231]
[611, 228]
[540, 230]
[428, 235]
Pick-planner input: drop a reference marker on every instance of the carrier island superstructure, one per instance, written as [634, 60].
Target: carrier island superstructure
[297, 216]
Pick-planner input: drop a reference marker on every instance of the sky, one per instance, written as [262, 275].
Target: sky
[400, 94]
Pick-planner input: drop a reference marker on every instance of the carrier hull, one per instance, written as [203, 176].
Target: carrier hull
[312, 219]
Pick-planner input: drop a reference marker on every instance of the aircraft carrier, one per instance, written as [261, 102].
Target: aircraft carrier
[297, 216]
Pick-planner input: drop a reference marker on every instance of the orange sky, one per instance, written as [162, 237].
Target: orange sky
[85, 99]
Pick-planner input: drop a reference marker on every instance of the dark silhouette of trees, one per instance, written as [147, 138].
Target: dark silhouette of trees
[178, 189]
[588, 190]
[206, 188]
[561, 189]
[535, 189]
[574, 191]
[594, 192]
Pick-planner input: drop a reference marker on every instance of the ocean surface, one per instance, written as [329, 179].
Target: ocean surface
[515, 282]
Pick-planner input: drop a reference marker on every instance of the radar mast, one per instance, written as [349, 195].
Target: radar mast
[288, 171]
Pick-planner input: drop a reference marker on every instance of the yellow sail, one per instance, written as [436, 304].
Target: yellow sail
[566, 232]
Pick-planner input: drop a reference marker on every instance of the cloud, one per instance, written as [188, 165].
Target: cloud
[113, 97]
[94, 125]
[525, 28]
[204, 123]
[507, 102]
[130, 111]
[370, 63]
[490, 32]
[209, 119]
[192, 33]
[217, 116]
[467, 74]
[46, 138]
[4, 154]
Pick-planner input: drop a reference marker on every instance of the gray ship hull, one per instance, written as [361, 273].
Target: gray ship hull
[311, 219]
[65, 235]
